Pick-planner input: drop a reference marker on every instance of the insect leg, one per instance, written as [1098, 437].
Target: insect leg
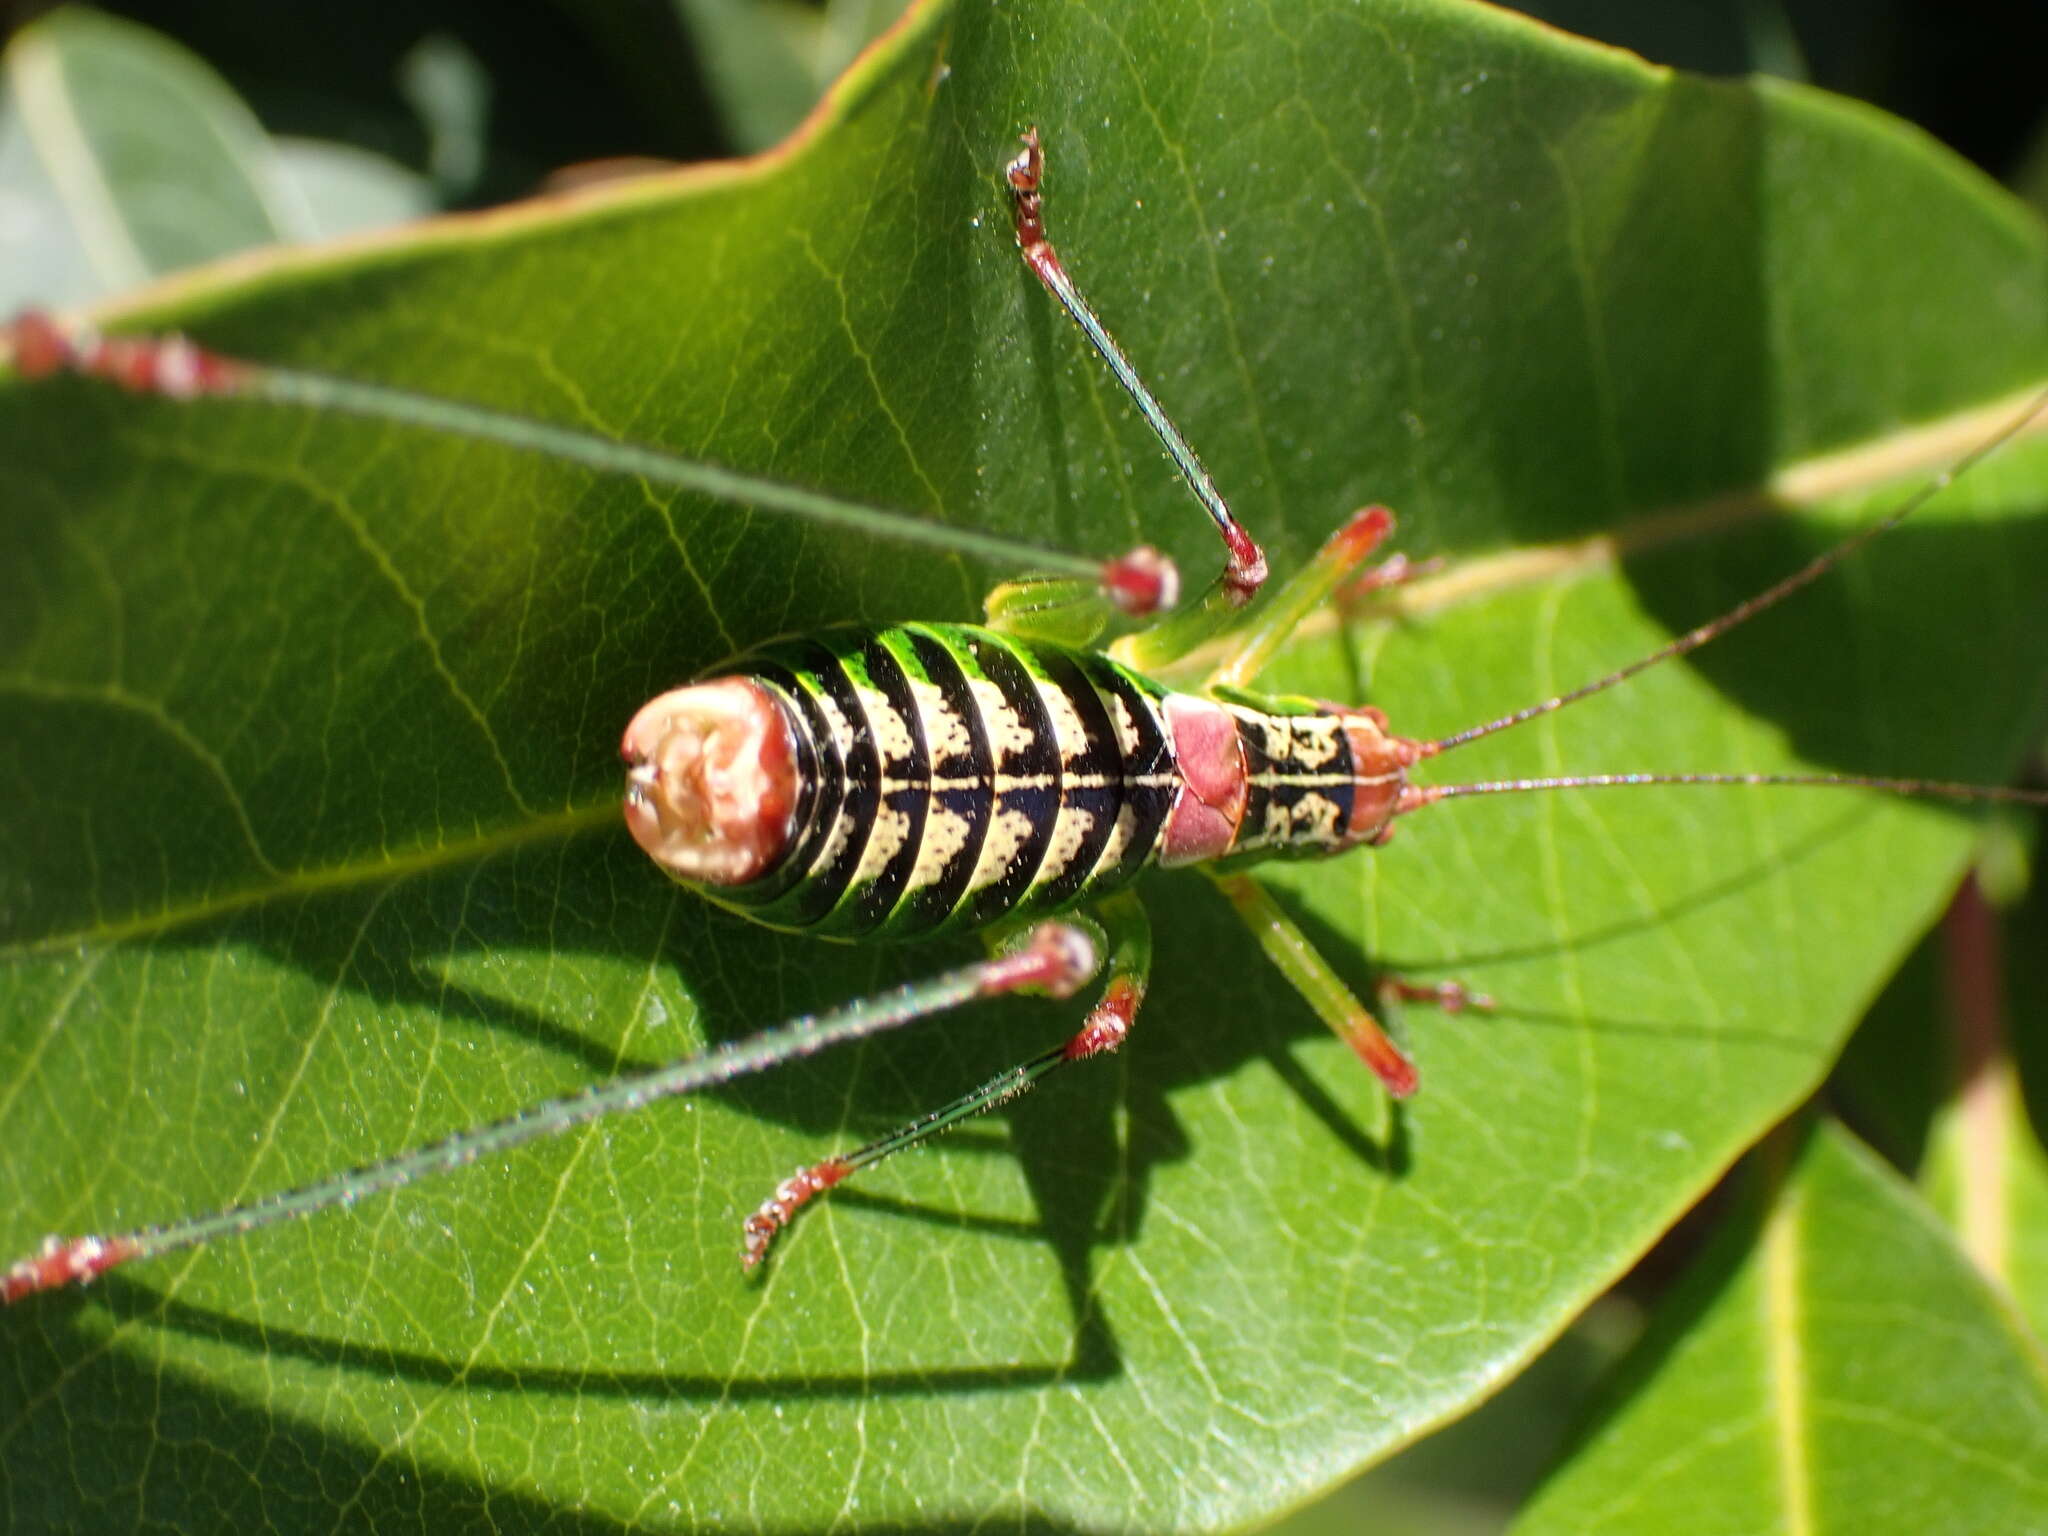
[1301, 594]
[1125, 936]
[1451, 996]
[1324, 991]
[1244, 570]
[1055, 957]
[1073, 611]
[172, 367]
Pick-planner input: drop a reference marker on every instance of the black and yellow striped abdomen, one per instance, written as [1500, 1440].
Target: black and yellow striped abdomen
[950, 776]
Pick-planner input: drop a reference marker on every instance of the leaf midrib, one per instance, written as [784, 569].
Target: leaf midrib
[578, 819]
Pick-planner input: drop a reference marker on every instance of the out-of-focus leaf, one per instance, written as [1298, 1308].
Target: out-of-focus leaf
[1990, 1181]
[766, 62]
[1938, 1074]
[126, 158]
[754, 66]
[1836, 1365]
[346, 190]
[1986, 1170]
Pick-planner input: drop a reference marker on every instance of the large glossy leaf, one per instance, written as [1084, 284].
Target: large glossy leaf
[1837, 1364]
[309, 852]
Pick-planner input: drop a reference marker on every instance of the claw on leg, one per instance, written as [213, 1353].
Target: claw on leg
[780, 1208]
[1394, 571]
[1451, 996]
[1109, 1023]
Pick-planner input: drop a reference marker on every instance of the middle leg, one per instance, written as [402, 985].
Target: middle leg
[1124, 936]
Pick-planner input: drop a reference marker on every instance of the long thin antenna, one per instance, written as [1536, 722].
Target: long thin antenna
[1770, 597]
[1419, 795]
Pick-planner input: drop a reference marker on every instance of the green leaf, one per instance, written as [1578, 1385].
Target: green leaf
[308, 754]
[1836, 1364]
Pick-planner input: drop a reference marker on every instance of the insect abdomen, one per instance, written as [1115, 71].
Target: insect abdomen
[959, 776]
[922, 778]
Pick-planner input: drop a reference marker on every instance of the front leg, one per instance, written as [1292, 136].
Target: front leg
[1244, 568]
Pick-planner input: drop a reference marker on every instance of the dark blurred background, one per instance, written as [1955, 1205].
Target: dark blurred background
[489, 98]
